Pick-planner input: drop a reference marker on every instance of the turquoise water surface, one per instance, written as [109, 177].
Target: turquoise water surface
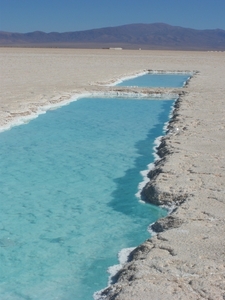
[157, 80]
[68, 181]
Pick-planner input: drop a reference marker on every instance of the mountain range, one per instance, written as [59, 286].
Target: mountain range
[132, 36]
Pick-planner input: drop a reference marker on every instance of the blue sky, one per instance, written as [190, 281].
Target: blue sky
[73, 15]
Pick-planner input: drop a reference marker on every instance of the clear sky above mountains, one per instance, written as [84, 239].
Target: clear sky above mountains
[73, 15]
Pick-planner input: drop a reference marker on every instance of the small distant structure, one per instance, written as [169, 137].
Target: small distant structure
[114, 48]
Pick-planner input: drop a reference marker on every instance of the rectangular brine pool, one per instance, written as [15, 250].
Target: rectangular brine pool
[69, 180]
[160, 80]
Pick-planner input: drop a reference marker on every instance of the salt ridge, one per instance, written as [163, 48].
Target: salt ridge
[24, 119]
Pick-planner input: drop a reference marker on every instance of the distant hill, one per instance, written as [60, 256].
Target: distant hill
[146, 36]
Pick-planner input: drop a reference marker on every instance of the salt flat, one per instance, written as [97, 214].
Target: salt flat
[187, 260]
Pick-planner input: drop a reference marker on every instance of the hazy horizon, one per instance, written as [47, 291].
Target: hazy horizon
[107, 27]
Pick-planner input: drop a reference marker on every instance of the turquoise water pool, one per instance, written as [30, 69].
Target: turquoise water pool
[68, 181]
[164, 80]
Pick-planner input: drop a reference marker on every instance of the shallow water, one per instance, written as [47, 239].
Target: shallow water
[157, 80]
[68, 205]
[68, 181]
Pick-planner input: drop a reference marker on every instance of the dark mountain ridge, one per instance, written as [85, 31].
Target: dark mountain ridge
[132, 36]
